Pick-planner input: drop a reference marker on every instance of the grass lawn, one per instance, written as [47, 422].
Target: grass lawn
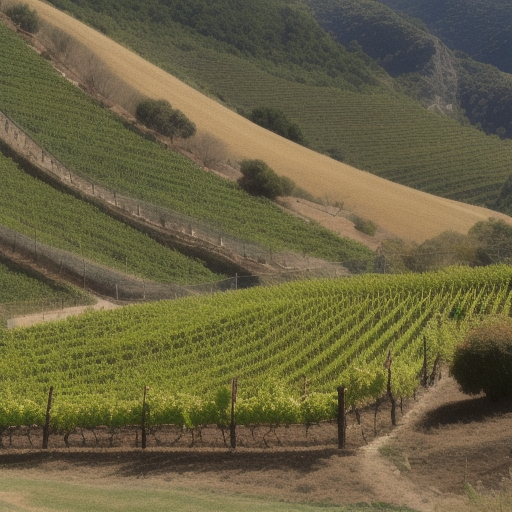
[27, 495]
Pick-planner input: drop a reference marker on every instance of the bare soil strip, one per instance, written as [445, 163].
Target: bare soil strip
[406, 212]
[60, 314]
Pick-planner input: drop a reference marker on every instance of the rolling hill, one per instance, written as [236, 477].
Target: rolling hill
[439, 76]
[408, 213]
[324, 100]
[97, 146]
[332, 331]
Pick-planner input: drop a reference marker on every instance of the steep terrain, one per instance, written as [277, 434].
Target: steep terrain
[480, 28]
[346, 106]
[408, 213]
[426, 67]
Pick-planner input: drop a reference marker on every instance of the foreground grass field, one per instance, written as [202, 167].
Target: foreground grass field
[27, 495]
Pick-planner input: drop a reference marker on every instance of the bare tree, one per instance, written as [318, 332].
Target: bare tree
[210, 150]
[57, 41]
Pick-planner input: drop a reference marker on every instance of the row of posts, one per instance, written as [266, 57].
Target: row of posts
[341, 418]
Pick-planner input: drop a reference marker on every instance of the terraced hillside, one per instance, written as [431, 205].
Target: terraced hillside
[372, 128]
[37, 210]
[331, 331]
[22, 293]
[412, 214]
[96, 145]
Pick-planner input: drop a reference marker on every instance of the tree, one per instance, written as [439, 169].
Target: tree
[210, 150]
[25, 17]
[494, 240]
[276, 121]
[161, 117]
[260, 180]
[483, 361]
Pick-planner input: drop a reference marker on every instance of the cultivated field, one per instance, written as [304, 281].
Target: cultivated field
[49, 216]
[97, 147]
[407, 213]
[333, 332]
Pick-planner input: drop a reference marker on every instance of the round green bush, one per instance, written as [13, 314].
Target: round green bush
[483, 361]
[25, 17]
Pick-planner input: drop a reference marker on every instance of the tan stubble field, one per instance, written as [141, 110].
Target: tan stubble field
[405, 212]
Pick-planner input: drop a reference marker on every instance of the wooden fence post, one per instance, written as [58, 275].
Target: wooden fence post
[143, 419]
[46, 428]
[304, 387]
[341, 417]
[232, 425]
[388, 364]
[424, 361]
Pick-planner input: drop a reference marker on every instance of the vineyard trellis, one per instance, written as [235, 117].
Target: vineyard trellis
[98, 148]
[187, 351]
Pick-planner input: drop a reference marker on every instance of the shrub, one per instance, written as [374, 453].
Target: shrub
[483, 361]
[276, 121]
[25, 17]
[260, 180]
[160, 116]
[209, 149]
[365, 226]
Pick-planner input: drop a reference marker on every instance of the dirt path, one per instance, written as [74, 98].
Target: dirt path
[403, 211]
[60, 314]
[387, 480]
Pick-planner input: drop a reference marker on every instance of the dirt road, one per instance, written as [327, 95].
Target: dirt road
[59, 314]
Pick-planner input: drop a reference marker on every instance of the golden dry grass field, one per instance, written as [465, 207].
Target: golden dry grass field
[405, 212]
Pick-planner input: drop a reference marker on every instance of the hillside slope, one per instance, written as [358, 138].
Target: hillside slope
[424, 67]
[480, 28]
[345, 104]
[407, 213]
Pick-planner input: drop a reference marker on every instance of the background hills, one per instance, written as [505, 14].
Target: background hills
[348, 104]
[362, 102]
[479, 28]
[429, 64]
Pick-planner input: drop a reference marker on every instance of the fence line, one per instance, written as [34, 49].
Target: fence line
[118, 286]
[141, 211]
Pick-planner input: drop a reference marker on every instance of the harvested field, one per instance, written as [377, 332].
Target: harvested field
[405, 212]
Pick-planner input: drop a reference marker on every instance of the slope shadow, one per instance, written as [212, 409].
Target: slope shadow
[131, 463]
[464, 411]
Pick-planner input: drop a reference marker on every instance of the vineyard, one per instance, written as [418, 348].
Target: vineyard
[377, 130]
[426, 151]
[39, 211]
[289, 346]
[22, 292]
[96, 145]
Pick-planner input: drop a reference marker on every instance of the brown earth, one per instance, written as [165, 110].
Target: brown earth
[442, 441]
[60, 314]
[406, 212]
